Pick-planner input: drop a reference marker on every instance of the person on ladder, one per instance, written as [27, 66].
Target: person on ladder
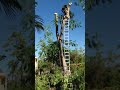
[66, 11]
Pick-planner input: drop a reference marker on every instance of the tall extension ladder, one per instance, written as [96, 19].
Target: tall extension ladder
[66, 45]
[67, 53]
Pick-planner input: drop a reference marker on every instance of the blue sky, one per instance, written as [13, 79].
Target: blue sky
[46, 9]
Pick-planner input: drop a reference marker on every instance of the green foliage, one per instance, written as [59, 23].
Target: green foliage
[91, 3]
[39, 23]
[80, 3]
[51, 76]
[101, 72]
[74, 24]
[49, 69]
[19, 55]
[50, 72]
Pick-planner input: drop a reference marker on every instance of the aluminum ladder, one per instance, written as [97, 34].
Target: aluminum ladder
[66, 45]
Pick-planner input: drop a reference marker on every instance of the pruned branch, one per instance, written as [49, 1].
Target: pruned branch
[56, 24]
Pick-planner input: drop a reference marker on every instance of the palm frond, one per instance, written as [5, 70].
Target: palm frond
[39, 23]
[9, 6]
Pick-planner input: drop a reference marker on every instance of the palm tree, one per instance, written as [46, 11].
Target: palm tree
[39, 23]
[9, 6]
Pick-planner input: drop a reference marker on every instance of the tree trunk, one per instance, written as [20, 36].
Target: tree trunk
[59, 39]
[62, 57]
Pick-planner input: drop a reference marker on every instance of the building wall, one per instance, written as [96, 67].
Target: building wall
[36, 63]
[2, 85]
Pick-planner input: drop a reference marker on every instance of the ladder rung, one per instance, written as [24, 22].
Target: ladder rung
[66, 40]
[66, 20]
[66, 52]
[66, 37]
[66, 28]
[66, 43]
[65, 31]
[67, 46]
[68, 61]
[68, 58]
[67, 55]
